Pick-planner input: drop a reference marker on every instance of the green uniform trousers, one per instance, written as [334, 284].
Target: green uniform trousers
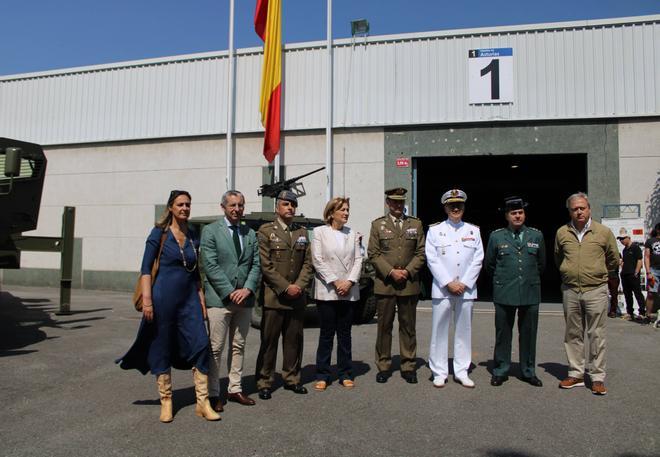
[528, 319]
[289, 324]
[406, 308]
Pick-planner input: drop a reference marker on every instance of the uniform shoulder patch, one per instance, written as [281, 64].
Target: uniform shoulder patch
[412, 217]
[534, 229]
[471, 225]
[498, 230]
[435, 223]
[378, 219]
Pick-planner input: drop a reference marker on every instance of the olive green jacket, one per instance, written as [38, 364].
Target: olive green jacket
[585, 265]
[391, 248]
[284, 260]
[516, 271]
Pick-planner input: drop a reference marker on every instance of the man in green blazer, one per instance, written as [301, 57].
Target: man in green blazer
[515, 257]
[230, 257]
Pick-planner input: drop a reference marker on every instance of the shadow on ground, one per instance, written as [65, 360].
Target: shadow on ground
[23, 320]
[507, 453]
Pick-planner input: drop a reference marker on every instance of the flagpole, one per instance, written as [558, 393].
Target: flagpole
[230, 98]
[328, 126]
[277, 163]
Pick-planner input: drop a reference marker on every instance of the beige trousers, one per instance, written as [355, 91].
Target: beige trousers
[585, 312]
[233, 323]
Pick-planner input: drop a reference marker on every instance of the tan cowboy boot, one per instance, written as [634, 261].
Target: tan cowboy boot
[165, 391]
[203, 407]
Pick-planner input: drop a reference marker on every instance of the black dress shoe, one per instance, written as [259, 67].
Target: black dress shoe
[216, 404]
[265, 394]
[296, 388]
[382, 377]
[498, 380]
[409, 376]
[536, 382]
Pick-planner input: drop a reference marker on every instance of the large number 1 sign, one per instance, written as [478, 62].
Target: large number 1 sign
[490, 75]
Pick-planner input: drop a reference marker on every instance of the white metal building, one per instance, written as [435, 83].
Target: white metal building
[119, 136]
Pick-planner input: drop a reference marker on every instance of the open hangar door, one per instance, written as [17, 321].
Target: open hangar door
[545, 181]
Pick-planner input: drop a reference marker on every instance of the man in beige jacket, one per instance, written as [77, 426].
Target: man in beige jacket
[585, 251]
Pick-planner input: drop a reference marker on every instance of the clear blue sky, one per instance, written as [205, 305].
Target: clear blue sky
[37, 35]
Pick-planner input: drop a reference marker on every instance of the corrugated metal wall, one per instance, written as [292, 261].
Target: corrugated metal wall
[591, 69]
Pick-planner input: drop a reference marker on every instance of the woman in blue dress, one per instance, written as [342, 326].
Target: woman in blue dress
[172, 332]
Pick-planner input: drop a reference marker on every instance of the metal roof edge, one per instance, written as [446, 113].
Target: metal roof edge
[341, 42]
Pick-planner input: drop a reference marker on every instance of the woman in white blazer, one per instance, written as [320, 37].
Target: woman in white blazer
[338, 262]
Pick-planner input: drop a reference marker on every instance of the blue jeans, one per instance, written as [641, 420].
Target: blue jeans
[336, 317]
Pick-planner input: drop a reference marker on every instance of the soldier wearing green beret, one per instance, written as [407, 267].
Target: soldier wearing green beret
[515, 257]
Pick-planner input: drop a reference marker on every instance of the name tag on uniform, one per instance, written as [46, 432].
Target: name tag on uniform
[532, 245]
[467, 238]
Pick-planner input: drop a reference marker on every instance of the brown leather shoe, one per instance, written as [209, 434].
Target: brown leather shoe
[571, 382]
[216, 404]
[240, 397]
[598, 388]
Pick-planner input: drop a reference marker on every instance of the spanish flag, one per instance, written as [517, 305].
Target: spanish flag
[268, 25]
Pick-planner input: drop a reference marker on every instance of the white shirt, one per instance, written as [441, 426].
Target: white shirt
[454, 252]
[580, 233]
[231, 232]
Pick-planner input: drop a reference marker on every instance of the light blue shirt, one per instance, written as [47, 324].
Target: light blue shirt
[231, 232]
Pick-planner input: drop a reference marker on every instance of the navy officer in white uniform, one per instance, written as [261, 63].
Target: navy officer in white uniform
[454, 254]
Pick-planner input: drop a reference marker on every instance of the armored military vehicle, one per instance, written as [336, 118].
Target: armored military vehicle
[22, 173]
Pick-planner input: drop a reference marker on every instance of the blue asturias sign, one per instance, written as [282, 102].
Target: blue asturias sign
[493, 52]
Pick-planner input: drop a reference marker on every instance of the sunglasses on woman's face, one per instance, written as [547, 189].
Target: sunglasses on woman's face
[174, 194]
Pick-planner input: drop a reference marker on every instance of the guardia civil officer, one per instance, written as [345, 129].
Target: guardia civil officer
[286, 265]
[396, 250]
[515, 258]
[454, 254]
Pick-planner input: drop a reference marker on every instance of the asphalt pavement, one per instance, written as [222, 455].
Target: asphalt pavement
[62, 395]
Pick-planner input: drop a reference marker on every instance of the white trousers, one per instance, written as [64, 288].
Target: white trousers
[231, 323]
[439, 353]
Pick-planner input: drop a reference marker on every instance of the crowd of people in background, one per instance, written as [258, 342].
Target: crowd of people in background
[191, 319]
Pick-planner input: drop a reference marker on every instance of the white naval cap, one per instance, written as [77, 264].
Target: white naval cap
[454, 196]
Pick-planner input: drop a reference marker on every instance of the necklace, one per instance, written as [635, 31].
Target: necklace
[183, 257]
